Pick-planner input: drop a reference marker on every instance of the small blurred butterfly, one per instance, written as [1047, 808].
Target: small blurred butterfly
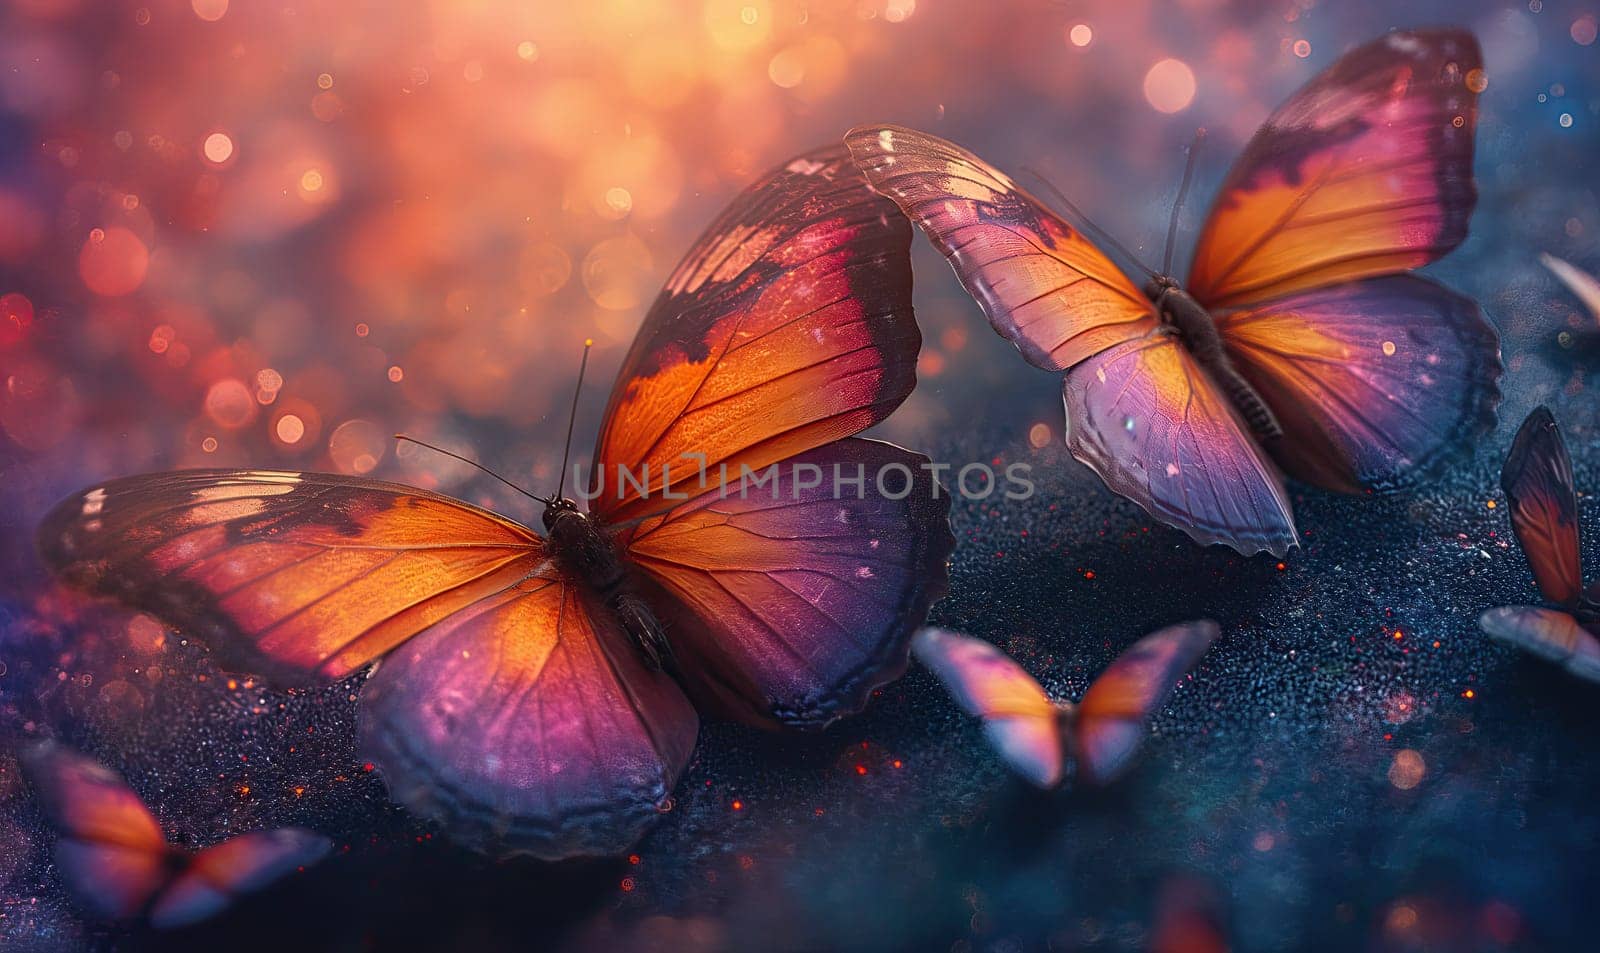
[1537, 478]
[1047, 740]
[119, 866]
[1300, 340]
[534, 692]
[1584, 286]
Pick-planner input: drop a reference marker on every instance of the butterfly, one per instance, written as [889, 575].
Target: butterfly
[1583, 285]
[539, 693]
[1537, 479]
[1046, 740]
[1300, 340]
[119, 866]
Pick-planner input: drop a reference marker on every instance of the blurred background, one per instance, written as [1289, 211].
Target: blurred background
[272, 234]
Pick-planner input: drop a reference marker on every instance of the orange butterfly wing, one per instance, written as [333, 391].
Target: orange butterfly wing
[1537, 479]
[1367, 170]
[300, 577]
[1110, 723]
[1375, 376]
[787, 325]
[787, 329]
[111, 852]
[1140, 412]
[1044, 286]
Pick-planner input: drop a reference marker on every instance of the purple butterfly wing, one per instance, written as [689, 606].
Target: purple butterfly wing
[1147, 418]
[1375, 382]
[788, 602]
[528, 724]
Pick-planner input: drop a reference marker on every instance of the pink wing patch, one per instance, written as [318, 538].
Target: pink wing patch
[1146, 417]
[1020, 720]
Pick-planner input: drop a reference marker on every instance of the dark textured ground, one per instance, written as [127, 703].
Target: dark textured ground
[1268, 782]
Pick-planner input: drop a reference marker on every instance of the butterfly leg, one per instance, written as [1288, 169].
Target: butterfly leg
[642, 627]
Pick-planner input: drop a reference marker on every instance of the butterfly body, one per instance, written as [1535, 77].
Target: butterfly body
[1183, 313]
[590, 554]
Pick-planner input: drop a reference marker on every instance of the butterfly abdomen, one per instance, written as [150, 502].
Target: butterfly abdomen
[589, 555]
[1191, 320]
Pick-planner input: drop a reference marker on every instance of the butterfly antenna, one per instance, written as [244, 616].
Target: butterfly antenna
[572, 418]
[1085, 220]
[1183, 193]
[474, 463]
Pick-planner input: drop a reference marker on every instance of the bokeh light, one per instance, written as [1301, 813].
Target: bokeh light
[1169, 86]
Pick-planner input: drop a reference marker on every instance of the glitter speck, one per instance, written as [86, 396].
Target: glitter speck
[1388, 349]
[1081, 35]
